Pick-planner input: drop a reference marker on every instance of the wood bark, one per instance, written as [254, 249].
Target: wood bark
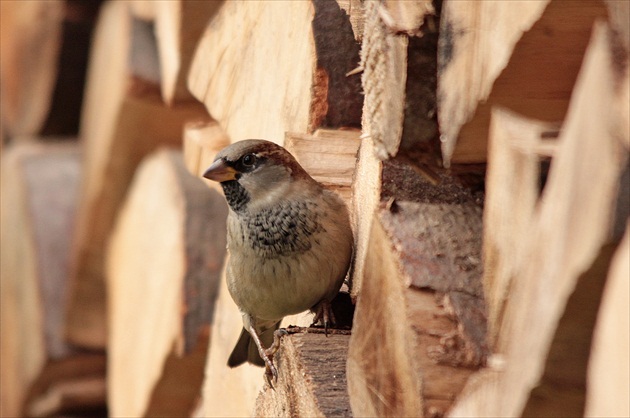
[124, 119]
[311, 380]
[419, 328]
[308, 49]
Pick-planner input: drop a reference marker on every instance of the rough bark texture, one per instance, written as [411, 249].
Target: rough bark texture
[421, 297]
[304, 387]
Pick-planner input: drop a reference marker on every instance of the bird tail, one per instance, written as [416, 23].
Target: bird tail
[246, 349]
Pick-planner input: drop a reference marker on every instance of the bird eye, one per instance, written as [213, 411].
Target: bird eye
[249, 160]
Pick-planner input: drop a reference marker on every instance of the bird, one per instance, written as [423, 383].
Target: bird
[289, 241]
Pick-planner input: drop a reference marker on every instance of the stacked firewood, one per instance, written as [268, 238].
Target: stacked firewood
[481, 147]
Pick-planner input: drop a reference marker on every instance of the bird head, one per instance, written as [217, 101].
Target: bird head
[255, 172]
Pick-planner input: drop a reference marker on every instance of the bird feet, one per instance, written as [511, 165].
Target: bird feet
[323, 313]
[271, 373]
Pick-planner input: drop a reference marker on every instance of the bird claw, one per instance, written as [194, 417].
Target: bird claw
[275, 346]
[271, 373]
[323, 313]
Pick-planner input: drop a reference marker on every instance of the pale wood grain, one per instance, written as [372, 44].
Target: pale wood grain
[266, 68]
[178, 26]
[523, 55]
[39, 192]
[163, 265]
[567, 230]
[30, 40]
[123, 119]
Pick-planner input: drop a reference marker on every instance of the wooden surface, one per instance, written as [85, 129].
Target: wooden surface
[516, 148]
[203, 139]
[73, 385]
[329, 156]
[124, 119]
[383, 79]
[399, 66]
[143, 124]
[355, 11]
[522, 55]
[39, 190]
[178, 26]
[608, 385]
[405, 16]
[567, 233]
[30, 40]
[311, 380]
[419, 327]
[313, 48]
[366, 194]
[161, 303]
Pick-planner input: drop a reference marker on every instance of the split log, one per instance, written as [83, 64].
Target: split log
[123, 120]
[73, 385]
[178, 26]
[517, 149]
[311, 378]
[329, 156]
[495, 53]
[67, 96]
[355, 10]
[608, 382]
[419, 328]
[311, 46]
[399, 110]
[30, 42]
[366, 195]
[563, 261]
[163, 267]
[39, 190]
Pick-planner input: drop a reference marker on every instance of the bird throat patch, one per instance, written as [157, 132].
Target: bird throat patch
[235, 194]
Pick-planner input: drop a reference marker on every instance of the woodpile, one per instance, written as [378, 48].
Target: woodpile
[42, 374]
[481, 147]
[170, 288]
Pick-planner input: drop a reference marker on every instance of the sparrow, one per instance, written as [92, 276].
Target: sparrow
[289, 242]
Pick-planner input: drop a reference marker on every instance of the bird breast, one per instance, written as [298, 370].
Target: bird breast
[286, 258]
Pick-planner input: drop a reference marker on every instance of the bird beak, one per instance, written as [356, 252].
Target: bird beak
[220, 171]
